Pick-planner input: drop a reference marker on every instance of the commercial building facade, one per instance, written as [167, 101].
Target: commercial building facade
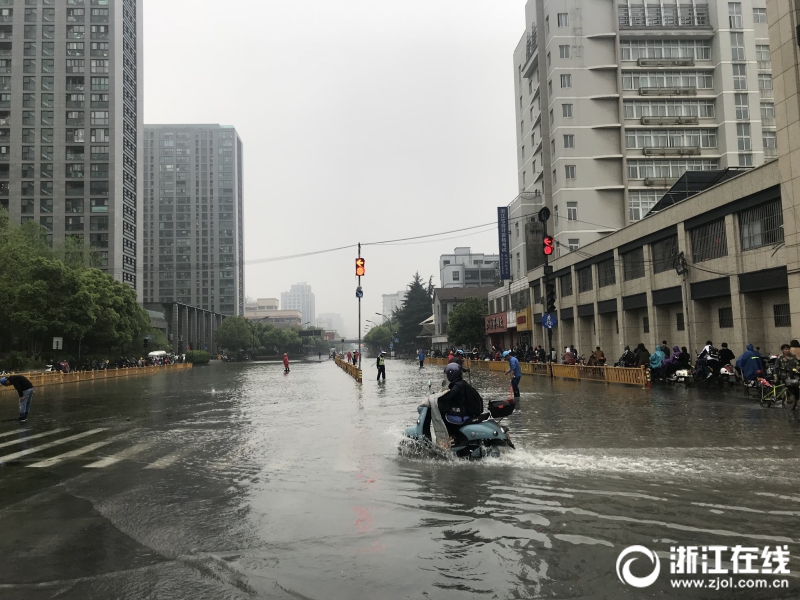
[71, 123]
[193, 246]
[444, 301]
[465, 269]
[616, 100]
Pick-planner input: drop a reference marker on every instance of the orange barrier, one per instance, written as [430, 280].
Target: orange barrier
[350, 369]
[40, 379]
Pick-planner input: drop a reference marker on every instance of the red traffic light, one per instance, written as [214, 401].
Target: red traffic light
[361, 269]
[549, 245]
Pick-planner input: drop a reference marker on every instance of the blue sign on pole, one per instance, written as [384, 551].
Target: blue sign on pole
[391, 346]
[503, 235]
[549, 321]
[396, 340]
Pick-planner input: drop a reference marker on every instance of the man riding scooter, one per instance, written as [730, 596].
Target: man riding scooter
[457, 405]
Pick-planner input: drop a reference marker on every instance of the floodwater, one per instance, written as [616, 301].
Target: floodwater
[237, 481]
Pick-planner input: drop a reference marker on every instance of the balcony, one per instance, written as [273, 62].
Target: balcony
[672, 151]
[668, 91]
[666, 62]
[531, 55]
[653, 17]
[670, 120]
[660, 182]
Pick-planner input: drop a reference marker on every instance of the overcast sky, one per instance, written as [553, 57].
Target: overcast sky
[362, 120]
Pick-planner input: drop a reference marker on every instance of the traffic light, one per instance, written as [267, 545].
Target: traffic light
[549, 245]
[361, 268]
[550, 297]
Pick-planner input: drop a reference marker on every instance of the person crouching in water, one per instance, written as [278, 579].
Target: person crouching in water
[285, 362]
[457, 405]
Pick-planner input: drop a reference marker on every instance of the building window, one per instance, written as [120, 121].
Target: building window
[759, 15]
[633, 264]
[572, 211]
[743, 136]
[742, 107]
[99, 135]
[737, 45]
[680, 324]
[769, 139]
[764, 81]
[99, 117]
[99, 84]
[566, 111]
[641, 202]
[569, 141]
[584, 279]
[99, 205]
[565, 283]
[574, 244]
[646, 324]
[551, 116]
[767, 110]
[554, 176]
[569, 171]
[725, 317]
[761, 226]
[606, 274]
[99, 66]
[547, 24]
[782, 316]
[563, 20]
[456, 276]
[563, 51]
[566, 80]
[665, 254]
[735, 15]
[762, 53]
[73, 223]
[709, 241]
[740, 77]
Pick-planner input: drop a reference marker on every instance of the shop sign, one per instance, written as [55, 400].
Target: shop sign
[496, 323]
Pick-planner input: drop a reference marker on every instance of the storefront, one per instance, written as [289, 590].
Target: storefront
[524, 327]
[496, 326]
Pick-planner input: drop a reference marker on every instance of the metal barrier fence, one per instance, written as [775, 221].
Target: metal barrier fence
[605, 374]
[350, 369]
[40, 379]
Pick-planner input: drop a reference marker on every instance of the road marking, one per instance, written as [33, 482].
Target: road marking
[21, 453]
[7, 433]
[168, 460]
[31, 437]
[119, 456]
[49, 462]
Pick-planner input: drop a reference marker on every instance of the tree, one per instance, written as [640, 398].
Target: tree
[235, 333]
[378, 338]
[465, 323]
[415, 309]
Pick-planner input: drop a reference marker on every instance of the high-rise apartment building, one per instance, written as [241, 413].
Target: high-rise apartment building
[464, 268]
[193, 245]
[71, 121]
[615, 100]
[300, 297]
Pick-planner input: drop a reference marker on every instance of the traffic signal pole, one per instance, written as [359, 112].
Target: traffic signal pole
[359, 319]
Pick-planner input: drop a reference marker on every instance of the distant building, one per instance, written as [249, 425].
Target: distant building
[393, 302]
[266, 309]
[465, 269]
[331, 322]
[300, 297]
[444, 301]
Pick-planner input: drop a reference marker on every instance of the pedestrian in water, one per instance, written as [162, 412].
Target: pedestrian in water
[24, 389]
[349, 356]
[381, 364]
[421, 357]
[285, 362]
[515, 370]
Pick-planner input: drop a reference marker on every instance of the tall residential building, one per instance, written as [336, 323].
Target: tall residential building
[300, 297]
[465, 269]
[71, 121]
[393, 302]
[615, 100]
[332, 322]
[194, 217]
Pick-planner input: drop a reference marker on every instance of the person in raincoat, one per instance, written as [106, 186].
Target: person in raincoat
[750, 363]
[656, 360]
[285, 362]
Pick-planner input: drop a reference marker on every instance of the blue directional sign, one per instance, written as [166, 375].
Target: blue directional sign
[359, 292]
[391, 346]
[396, 340]
[549, 321]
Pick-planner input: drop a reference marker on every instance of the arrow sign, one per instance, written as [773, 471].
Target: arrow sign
[549, 321]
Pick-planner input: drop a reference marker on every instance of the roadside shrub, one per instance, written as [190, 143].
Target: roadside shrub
[198, 357]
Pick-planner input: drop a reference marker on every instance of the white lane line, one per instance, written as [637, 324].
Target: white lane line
[49, 462]
[21, 453]
[168, 460]
[31, 437]
[110, 460]
[7, 433]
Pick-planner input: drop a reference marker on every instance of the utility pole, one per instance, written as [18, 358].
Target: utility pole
[360, 270]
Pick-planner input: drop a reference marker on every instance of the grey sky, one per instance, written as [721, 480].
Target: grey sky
[362, 120]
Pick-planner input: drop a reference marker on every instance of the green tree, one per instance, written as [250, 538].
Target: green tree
[378, 338]
[415, 309]
[465, 323]
[235, 334]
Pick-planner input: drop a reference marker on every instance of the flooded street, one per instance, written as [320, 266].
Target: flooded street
[237, 481]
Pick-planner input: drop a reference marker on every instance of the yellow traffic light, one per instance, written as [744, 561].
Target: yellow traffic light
[361, 269]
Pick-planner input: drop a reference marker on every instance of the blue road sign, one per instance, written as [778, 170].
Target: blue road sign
[549, 321]
[396, 340]
[359, 293]
[391, 346]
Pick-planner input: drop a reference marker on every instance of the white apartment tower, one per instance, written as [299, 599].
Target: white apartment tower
[616, 100]
[300, 297]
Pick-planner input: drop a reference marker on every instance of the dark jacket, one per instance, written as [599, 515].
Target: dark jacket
[642, 356]
[20, 383]
[726, 355]
[750, 363]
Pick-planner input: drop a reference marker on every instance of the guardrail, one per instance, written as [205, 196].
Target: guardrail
[622, 375]
[350, 369]
[40, 379]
